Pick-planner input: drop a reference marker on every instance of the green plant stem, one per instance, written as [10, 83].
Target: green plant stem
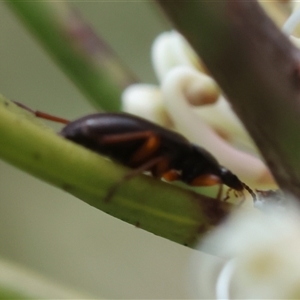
[92, 65]
[258, 69]
[174, 213]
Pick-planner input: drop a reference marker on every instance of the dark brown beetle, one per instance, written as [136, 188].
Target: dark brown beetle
[145, 146]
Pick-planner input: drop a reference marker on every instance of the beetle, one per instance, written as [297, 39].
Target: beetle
[144, 146]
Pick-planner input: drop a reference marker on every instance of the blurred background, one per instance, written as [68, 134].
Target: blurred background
[46, 229]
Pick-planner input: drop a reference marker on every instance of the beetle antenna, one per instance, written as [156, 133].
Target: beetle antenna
[43, 115]
[227, 195]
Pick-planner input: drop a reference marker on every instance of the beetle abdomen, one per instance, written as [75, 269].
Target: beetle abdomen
[88, 131]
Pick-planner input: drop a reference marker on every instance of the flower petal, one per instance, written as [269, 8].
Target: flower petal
[170, 49]
[145, 100]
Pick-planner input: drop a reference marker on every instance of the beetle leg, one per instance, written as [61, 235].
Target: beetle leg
[227, 195]
[152, 143]
[220, 192]
[152, 163]
[209, 180]
[160, 168]
[133, 173]
[146, 150]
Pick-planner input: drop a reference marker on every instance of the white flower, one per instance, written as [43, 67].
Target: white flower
[170, 49]
[265, 248]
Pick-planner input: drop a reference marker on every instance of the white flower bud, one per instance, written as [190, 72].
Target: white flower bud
[145, 100]
[169, 50]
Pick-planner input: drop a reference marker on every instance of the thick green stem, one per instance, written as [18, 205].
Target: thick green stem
[258, 69]
[163, 209]
[85, 58]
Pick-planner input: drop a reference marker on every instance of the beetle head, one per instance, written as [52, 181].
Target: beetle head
[231, 179]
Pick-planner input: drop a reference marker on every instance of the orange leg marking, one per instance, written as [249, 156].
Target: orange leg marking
[147, 149]
[171, 175]
[206, 180]
[209, 180]
[124, 137]
[152, 143]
